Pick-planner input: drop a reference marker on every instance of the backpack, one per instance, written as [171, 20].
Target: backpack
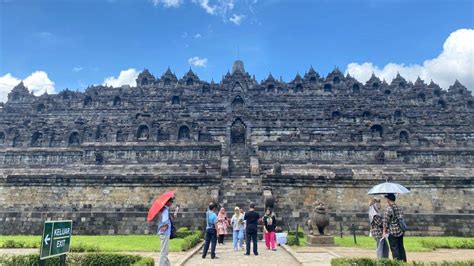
[401, 222]
[173, 229]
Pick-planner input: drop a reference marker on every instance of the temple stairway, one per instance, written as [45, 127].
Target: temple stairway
[240, 188]
[241, 191]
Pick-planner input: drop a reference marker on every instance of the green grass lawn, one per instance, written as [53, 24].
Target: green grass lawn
[412, 243]
[103, 243]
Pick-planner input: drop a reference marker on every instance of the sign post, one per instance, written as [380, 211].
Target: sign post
[56, 240]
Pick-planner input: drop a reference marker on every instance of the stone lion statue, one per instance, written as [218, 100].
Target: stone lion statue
[318, 218]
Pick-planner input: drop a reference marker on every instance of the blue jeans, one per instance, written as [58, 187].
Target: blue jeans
[211, 239]
[238, 237]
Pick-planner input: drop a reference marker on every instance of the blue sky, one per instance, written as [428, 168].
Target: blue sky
[78, 43]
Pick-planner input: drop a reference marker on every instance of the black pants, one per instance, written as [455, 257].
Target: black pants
[251, 235]
[397, 248]
[211, 238]
[220, 239]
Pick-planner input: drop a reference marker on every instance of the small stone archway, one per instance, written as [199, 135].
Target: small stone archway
[74, 139]
[37, 139]
[184, 133]
[238, 132]
[377, 131]
[117, 101]
[120, 136]
[16, 142]
[87, 101]
[404, 137]
[189, 82]
[143, 133]
[327, 88]
[355, 88]
[298, 88]
[40, 108]
[238, 103]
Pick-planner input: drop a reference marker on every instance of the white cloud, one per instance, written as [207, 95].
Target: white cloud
[37, 82]
[7, 82]
[205, 4]
[197, 62]
[197, 35]
[77, 69]
[168, 3]
[236, 19]
[456, 61]
[126, 77]
[219, 7]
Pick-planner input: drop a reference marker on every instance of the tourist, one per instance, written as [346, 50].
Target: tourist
[391, 228]
[222, 223]
[237, 222]
[251, 218]
[243, 230]
[164, 231]
[211, 232]
[269, 224]
[376, 228]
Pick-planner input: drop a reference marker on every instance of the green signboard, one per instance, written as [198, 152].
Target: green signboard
[56, 238]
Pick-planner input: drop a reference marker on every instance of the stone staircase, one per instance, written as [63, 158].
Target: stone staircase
[241, 191]
[239, 166]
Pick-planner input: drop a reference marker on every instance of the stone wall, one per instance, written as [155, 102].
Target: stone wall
[115, 205]
[434, 207]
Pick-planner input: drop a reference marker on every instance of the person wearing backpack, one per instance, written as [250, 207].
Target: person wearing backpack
[394, 226]
[165, 231]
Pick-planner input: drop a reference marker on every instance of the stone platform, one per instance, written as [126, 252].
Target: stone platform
[320, 240]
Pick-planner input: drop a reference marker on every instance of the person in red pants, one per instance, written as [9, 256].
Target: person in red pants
[269, 225]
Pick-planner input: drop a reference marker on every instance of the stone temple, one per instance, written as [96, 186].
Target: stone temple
[101, 156]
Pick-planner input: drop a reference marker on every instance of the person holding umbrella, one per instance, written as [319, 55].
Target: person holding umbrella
[392, 228]
[161, 206]
[164, 231]
[393, 223]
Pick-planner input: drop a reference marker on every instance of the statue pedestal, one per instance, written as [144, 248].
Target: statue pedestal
[319, 240]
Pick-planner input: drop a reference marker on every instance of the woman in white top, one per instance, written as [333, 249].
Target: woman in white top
[237, 222]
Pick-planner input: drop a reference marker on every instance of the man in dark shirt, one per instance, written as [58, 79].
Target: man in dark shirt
[251, 218]
[391, 227]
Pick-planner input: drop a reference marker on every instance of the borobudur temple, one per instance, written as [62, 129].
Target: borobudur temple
[99, 157]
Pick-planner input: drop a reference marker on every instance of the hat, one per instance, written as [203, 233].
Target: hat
[390, 196]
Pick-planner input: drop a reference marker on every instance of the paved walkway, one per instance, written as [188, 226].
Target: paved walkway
[227, 256]
[308, 256]
[323, 255]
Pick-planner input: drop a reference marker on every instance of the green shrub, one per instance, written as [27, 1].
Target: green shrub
[292, 240]
[13, 244]
[191, 240]
[26, 260]
[183, 232]
[109, 259]
[300, 234]
[81, 247]
[387, 262]
[365, 262]
[145, 262]
[433, 243]
[88, 259]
